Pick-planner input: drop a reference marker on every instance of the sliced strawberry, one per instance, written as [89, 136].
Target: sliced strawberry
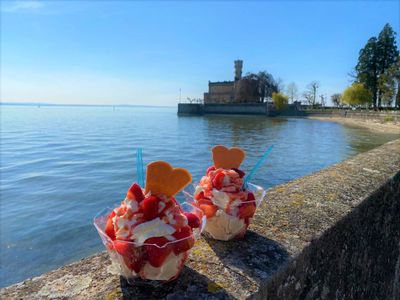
[135, 193]
[247, 210]
[204, 201]
[210, 169]
[209, 210]
[199, 196]
[250, 197]
[240, 172]
[187, 240]
[193, 220]
[133, 256]
[173, 200]
[156, 254]
[150, 207]
[218, 180]
[109, 230]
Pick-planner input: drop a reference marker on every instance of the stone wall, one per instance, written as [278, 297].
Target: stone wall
[229, 108]
[379, 116]
[190, 109]
[332, 234]
[358, 258]
[236, 108]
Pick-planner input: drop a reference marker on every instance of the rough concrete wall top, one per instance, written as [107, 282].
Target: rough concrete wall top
[293, 215]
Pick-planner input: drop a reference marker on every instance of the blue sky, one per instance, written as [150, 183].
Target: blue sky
[129, 52]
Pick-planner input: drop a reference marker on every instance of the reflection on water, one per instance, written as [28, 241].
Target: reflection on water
[61, 165]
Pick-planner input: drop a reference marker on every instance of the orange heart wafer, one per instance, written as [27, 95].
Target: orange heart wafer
[227, 158]
[162, 178]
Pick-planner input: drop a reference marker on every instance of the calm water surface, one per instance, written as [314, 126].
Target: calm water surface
[61, 165]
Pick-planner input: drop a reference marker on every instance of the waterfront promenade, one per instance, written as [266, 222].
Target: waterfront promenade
[330, 234]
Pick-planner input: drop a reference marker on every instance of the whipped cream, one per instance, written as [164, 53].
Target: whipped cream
[220, 199]
[223, 226]
[153, 228]
[169, 268]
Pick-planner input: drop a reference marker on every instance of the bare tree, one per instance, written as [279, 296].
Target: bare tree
[309, 98]
[292, 91]
[323, 97]
[280, 85]
[336, 99]
[311, 93]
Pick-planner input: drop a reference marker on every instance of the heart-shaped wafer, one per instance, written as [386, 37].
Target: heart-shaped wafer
[227, 158]
[163, 179]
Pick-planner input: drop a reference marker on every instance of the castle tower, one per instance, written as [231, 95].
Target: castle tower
[238, 69]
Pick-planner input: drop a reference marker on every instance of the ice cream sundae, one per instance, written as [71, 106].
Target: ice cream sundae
[150, 234]
[221, 194]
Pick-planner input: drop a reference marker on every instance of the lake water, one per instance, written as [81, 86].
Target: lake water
[61, 165]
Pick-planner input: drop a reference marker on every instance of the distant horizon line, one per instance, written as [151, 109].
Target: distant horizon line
[78, 104]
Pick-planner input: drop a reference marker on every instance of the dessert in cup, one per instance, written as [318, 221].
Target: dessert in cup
[227, 201]
[149, 234]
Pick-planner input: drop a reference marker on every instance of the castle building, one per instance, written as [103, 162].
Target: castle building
[239, 90]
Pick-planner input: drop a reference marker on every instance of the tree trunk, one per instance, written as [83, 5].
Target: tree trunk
[379, 99]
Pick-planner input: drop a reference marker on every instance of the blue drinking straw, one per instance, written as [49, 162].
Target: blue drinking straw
[139, 167]
[257, 166]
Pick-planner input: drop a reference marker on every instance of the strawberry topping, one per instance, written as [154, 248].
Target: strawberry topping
[193, 220]
[150, 207]
[135, 193]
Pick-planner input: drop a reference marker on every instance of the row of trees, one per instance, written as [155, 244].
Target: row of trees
[377, 71]
[266, 86]
[376, 81]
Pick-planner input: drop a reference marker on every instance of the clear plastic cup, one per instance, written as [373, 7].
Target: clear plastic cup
[149, 261]
[225, 224]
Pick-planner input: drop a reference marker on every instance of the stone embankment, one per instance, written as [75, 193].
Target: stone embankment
[331, 235]
[384, 122]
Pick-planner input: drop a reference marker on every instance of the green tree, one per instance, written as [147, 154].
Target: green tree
[356, 95]
[389, 84]
[280, 100]
[266, 85]
[387, 52]
[336, 99]
[374, 59]
[367, 68]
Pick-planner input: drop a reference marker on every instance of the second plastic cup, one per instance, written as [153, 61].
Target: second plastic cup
[226, 223]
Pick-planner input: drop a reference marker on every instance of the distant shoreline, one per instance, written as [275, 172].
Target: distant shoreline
[373, 125]
[77, 105]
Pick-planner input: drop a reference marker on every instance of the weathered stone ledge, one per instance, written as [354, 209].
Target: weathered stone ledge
[326, 235]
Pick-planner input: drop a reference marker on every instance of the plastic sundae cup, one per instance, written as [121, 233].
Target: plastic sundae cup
[151, 261]
[229, 221]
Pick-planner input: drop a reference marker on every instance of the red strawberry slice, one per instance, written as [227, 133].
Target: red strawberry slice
[205, 201]
[193, 220]
[247, 210]
[240, 172]
[109, 230]
[135, 193]
[156, 254]
[133, 256]
[218, 180]
[250, 197]
[210, 169]
[199, 196]
[208, 209]
[150, 207]
[187, 240]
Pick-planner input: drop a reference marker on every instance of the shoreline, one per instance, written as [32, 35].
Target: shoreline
[373, 125]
